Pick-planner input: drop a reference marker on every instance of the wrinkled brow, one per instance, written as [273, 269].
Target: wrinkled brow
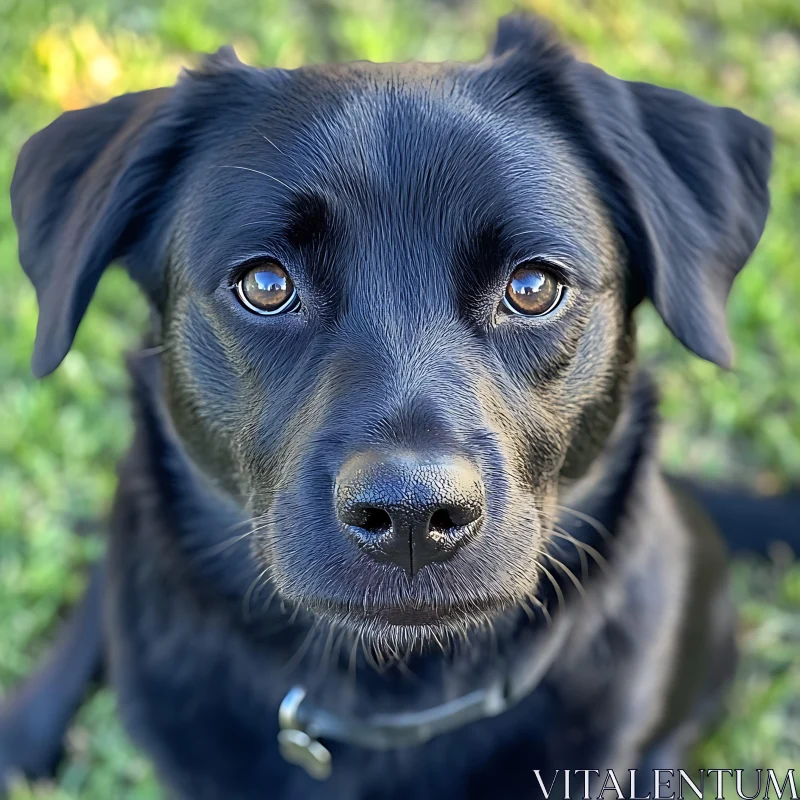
[312, 231]
[487, 257]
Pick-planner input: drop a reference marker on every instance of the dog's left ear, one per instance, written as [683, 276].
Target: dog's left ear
[691, 180]
[686, 181]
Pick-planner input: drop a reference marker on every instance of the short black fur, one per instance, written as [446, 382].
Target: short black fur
[400, 199]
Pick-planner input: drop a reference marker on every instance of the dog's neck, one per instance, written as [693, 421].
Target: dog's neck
[337, 672]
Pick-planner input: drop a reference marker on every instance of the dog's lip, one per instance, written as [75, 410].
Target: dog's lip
[407, 616]
[416, 615]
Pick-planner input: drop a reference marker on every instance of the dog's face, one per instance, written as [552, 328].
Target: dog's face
[448, 323]
[395, 300]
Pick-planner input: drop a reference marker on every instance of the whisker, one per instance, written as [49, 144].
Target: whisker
[272, 596]
[581, 554]
[569, 573]
[337, 647]
[598, 557]
[528, 610]
[215, 550]
[249, 594]
[591, 521]
[365, 648]
[559, 593]
[294, 615]
[542, 607]
[156, 350]
[326, 651]
[352, 665]
[242, 523]
[258, 221]
[267, 139]
[221, 547]
[258, 172]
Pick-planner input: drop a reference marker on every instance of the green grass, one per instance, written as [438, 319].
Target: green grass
[59, 439]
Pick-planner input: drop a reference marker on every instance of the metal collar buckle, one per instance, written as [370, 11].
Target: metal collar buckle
[295, 745]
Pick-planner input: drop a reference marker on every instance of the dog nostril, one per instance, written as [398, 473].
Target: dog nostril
[409, 510]
[375, 520]
[442, 520]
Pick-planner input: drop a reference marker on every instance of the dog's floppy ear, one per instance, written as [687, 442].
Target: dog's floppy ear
[687, 181]
[91, 188]
[692, 180]
[79, 193]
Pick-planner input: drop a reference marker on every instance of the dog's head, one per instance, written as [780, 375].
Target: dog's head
[395, 299]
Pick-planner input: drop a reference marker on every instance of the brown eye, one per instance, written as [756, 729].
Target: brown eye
[267, 289]
[532, 291]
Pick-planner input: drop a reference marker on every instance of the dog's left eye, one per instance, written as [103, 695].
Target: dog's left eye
[533, 291]
[266, 288]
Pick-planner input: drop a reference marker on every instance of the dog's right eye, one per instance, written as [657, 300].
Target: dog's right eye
[266, 288]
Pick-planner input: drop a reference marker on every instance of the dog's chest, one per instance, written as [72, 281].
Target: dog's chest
[194, 704]
[228, 749]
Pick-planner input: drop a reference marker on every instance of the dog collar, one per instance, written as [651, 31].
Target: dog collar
[302, 725]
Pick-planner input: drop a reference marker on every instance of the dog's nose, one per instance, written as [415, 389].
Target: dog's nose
[409, 510]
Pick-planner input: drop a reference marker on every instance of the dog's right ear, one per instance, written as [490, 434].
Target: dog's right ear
[94, 187]
[81, 189]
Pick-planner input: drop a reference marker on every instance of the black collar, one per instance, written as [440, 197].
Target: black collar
[302, 725]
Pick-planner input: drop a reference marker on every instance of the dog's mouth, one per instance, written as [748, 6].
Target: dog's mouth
[409, 618]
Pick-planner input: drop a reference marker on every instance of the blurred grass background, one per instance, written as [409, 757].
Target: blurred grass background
[60, 439]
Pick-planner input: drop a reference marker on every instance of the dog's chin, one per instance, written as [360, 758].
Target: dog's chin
[403, 628]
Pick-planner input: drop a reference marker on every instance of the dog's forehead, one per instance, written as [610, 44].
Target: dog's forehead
[404, 157]
[411, 132]
[398, 127]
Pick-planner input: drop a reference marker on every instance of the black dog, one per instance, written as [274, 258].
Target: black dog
[392, 470]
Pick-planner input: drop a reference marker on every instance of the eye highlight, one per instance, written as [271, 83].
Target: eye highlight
[533, 290]
[267, 289]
